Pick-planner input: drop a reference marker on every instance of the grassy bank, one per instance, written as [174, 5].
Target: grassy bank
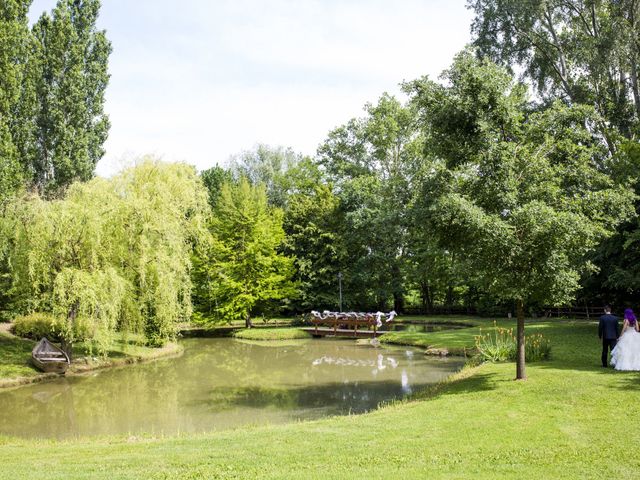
[571, 419]
[16, 368]
[456, 341]
[271, 334]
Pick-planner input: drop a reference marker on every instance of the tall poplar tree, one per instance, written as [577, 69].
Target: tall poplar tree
[69, 71]
[14, 40]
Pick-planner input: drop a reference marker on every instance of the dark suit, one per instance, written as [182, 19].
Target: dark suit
[608, 331]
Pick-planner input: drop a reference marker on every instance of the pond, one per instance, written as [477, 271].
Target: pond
[420, 327]
[221, 383]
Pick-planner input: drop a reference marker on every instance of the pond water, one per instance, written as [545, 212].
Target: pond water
[420, 327]
[221, 383]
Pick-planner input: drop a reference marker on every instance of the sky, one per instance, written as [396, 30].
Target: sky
[202, 80]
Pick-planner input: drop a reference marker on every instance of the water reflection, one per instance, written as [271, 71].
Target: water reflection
[218, 384]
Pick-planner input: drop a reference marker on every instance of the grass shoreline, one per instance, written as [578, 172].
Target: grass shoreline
[17, 370]
[271, 334]
[435, 343]
[478, 424]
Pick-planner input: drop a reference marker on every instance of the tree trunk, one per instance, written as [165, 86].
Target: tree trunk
[68, 348]
[67, 345]
[520, 366]
[449, 299]
[247, 322]
[427, 302]
[398, 302]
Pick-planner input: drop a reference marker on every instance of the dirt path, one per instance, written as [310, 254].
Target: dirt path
[6, 328]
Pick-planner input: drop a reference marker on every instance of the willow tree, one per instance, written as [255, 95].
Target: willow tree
[523, 196]
[112, 254]
[243, 270]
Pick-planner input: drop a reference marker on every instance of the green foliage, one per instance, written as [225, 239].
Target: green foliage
[68, 70]
[583, 51]
[111, 254]
[37, 325]
[269, 166]
[527, 206]
[14, 122]
[372, 161]
[52, 83]
[213, 179]
[498, 346]
[312, 223]
[523, 198]
[241, 269]
[537, 347]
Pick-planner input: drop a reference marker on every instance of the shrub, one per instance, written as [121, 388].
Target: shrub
[501, 346]
[40, 324]
[300, 320]
[37, 325]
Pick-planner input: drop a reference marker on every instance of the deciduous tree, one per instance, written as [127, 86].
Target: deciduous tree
[15, 96]
[242, 268]
[68, 67]
[524, 196]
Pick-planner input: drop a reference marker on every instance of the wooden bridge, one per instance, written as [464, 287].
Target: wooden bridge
[339, 332]
[346, 324]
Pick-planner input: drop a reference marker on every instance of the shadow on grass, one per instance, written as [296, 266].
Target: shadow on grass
[339, 398]
[15, 355]
[14, 347]
[475, 382]
[630, 381]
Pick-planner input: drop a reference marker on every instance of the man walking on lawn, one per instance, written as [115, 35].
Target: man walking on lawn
[608, 332]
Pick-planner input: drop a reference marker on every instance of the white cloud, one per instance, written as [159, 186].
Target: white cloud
[201, 80]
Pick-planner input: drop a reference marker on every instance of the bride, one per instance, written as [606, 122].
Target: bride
[626, 354]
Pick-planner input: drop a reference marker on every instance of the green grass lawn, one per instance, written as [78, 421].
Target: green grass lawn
[456, 340]
[571, 419]
[271, 334]
[14, 357]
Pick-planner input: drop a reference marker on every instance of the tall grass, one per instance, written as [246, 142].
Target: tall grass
[500, 345]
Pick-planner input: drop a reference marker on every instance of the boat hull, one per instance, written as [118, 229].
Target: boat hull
[49, 358]
[50, 367]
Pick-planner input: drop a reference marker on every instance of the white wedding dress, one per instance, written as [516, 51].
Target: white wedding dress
[626, 354]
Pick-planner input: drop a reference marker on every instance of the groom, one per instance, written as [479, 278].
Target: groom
[608, 331]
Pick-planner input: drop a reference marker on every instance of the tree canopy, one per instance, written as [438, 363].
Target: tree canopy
[111, 253]
[53, 79]
[242, 268]
[523, 198]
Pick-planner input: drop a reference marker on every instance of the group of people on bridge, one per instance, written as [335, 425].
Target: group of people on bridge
[348, 317]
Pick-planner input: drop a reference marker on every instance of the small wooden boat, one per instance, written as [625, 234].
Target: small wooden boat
[49, 358]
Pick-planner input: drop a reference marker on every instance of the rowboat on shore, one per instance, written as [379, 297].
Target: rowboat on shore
[49, 358]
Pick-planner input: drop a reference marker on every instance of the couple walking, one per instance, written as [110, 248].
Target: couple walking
[625, 345]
